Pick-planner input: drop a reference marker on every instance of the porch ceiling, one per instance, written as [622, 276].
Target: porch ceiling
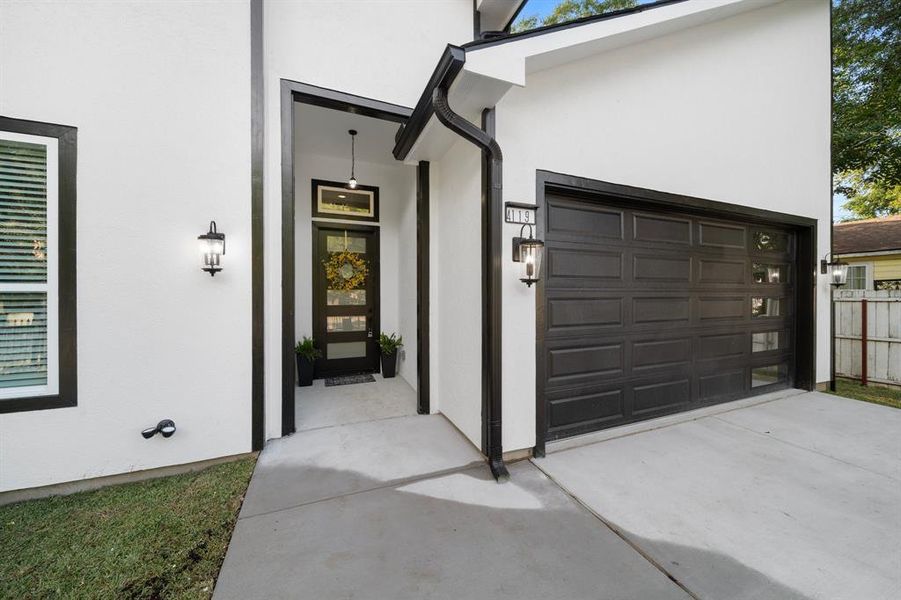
[323, 131]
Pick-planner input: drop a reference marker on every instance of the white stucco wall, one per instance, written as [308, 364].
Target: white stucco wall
[160, 95]
[735, 111]
[383, 50]
[397, 245]
[457, 330]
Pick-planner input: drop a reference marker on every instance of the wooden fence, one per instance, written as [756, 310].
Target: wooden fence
[868, 335]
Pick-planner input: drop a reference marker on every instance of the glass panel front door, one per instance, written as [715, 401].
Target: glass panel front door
[345, 303]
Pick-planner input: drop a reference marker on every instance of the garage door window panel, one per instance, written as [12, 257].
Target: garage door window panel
[770, 273]
[768, 307]
[769, 375]
[765, 240]
[769, 341]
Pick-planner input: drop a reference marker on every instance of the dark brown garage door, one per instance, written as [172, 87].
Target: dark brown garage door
[646, 313]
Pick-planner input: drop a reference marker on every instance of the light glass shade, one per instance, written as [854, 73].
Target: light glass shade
[530, 252]
[352, 183]
[209, 246]
[212, 247]
[838, 273]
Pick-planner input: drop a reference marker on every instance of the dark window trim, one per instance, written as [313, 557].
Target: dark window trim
[257, 241]
[804, 336]
[291, 92]
[317, 183]
[67, 139]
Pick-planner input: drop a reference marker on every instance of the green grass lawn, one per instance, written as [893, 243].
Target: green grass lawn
[163, 538]
[876, 395]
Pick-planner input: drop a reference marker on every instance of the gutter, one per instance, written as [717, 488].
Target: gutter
[434, 102]
[446, 71]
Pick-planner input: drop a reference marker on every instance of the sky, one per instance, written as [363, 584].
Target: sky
[839, 213]
[541, 8]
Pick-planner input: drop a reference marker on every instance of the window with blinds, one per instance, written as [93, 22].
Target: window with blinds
[27, 265]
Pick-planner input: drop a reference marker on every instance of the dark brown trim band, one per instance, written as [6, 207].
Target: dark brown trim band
[423, 372]
[288, 333]
[67, 140]
[257, 242]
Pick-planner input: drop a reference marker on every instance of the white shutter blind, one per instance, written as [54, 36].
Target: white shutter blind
[23, 339]
[23, 264]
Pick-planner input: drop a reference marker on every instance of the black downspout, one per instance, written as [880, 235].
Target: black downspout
[494, 200]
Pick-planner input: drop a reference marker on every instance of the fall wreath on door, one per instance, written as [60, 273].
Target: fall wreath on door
[345, 270]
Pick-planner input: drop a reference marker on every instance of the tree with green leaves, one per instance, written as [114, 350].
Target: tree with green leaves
[569, 10]
[866, 118]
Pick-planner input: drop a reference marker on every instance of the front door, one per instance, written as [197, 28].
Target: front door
[346, 298]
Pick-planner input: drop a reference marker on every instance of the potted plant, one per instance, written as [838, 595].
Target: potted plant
[307, 353]
[389, 345]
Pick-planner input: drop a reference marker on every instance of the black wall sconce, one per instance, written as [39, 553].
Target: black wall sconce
[837, 271]
[528, 251]
[212, 247]
[166, 427]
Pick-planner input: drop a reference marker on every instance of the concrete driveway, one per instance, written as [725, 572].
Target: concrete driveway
[794, 497]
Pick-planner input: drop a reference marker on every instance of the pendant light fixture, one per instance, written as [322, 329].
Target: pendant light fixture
[352, 182]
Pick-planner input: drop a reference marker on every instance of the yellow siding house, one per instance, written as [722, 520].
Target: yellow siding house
[872, 248]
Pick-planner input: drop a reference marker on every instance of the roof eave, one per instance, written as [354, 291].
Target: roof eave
[446, 71]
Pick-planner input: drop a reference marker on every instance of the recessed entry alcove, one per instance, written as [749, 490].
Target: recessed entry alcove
[355, 264]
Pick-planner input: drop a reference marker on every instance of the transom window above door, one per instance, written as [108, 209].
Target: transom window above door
[334, 200]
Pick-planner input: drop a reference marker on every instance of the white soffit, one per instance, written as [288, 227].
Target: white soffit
[511, 61]
[468, 95]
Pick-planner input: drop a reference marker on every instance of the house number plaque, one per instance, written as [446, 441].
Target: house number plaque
[521, 214]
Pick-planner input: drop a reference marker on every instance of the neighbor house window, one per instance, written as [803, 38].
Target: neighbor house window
[37, 252]
[857, 277]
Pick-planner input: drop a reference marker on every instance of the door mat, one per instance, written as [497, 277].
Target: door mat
[349, 379]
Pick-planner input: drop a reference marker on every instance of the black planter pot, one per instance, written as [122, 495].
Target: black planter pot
[389, 365]
[304, 371]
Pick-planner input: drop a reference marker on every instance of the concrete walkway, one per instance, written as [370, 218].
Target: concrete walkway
[792, 498]
[319, 406]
